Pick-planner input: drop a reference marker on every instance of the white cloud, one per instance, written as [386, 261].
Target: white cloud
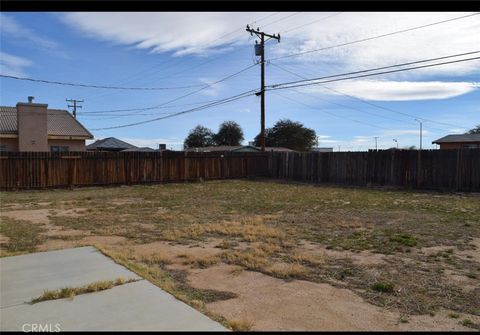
[180, 33]
[401, 90]
[22, 35]
[205, 32]
[13, 65]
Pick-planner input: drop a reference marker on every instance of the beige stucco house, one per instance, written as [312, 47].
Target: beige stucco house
[33, 127]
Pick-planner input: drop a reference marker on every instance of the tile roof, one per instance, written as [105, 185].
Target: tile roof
[110, 143]
[59, 123]
[458, 138]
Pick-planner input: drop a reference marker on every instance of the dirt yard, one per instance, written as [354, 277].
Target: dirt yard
[265, 255]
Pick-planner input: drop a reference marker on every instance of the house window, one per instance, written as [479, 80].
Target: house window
[3, 148]
[471, 146]
[55, 148]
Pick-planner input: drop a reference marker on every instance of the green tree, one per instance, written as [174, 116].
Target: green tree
[229, 133]
[199, 136]
[289, 134]
[475, 130]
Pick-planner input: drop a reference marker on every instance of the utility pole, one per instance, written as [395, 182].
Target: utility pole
[260, 51]
[421, 132]
[74, 106]
[396, 141]
[376, 148]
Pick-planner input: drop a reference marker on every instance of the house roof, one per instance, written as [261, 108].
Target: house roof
[234, 148]
[110, 143]
[458, 138]
[139, 149]
[59, 123]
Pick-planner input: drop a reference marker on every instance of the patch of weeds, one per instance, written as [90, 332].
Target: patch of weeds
[383, 287]
[470, 324]
[251, 260]
[404, 239]
[23, 235]
[240, 325]
[288, 271]
[78, 223]
[225, 244]
[201, 262]
[204, 295]
[454, 315]
[70, 292]
[157, 259]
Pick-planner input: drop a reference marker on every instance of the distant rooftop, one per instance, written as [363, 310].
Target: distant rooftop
[147, 149]
[110, 144]
[235, 148]
[464, 138]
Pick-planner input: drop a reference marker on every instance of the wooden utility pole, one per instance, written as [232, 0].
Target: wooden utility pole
[376, 148]
[74, 106]
[421, 132]
[260, 51]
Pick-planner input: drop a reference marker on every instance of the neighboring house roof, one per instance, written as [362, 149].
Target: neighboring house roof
[212, 149]
[139, 149]
[236, 148]
[59, 123]
[111, 143]
[458, 138]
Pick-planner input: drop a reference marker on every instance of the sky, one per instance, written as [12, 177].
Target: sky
[189, 55]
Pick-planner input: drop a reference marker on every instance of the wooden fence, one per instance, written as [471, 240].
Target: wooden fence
[452, 170]
[45, 169]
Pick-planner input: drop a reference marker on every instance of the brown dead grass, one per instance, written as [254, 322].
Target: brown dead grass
[427, 246]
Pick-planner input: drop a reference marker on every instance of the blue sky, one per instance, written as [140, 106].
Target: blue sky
[185, 49]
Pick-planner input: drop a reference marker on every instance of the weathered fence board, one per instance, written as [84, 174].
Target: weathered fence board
[453, 170]
[41, 170]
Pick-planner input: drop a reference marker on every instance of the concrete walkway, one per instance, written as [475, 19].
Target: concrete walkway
[138, 305]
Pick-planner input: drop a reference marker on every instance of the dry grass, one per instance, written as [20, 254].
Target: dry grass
[288, 271]
[258, 225]
[254, 260]
[240, 325]
[250, 229]
[201, 262]
[71, 292]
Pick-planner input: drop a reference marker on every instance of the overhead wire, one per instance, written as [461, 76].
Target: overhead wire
[372, 37]
[367, 102]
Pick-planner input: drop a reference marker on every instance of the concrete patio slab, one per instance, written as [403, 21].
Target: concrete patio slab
[138, 305]
[134, 306]
[25, 277]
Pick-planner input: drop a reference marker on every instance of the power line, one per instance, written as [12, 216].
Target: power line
[188, 94]
[307, 24]
[218, 103]
[281, 19]
[384, 67]
[283, 85]
[326, 112]
[98, 86]
[369, 103]
[373, 37]
[136, 109]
